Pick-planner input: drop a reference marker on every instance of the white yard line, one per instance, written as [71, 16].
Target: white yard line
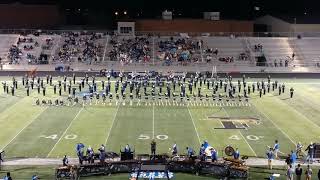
[310, 104]
[65, 132]
[278, 127]
[242, 135]
[105, 49]
[248, 143]
[153, 121]
[264, 114]
[194, 125]
[24, 128]
[114, 117]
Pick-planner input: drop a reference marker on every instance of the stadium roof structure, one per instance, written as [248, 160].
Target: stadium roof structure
[301, 19]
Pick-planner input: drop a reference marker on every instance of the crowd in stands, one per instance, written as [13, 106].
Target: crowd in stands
[258, 48]
[180, 50]
[82, 46]
[48, 44]
[14, 54]
[89, 48]
[130, 50]
[281, 63]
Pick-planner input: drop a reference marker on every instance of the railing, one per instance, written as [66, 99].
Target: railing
[166, 33]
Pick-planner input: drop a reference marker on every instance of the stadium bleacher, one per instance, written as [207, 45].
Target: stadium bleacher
[82, 49]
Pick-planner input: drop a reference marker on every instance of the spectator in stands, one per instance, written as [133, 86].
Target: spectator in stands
[292, 56]
[208, 58]
[130, 50]
[14, 54]
[216, 51]
[286, 63]
[258, 48]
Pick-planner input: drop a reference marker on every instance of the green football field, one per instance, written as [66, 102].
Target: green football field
[28, 130]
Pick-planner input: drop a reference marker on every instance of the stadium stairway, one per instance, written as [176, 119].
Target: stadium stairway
[310, 48]
[273, 48]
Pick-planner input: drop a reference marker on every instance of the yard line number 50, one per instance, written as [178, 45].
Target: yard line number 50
[146, 137]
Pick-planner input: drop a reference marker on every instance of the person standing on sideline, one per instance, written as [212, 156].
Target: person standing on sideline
[276, 149]
[236, 154]
[7, 177]
[270, 158]
[298, 172]
[299, 149]
[153, 148]
[293, 158]
[65, 161]
[308, 173]
[290, 173]
[310, 150]
[291, 92]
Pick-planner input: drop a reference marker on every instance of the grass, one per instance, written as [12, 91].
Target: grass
[41, 131]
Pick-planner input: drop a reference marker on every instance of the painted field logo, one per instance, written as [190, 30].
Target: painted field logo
[235, 122]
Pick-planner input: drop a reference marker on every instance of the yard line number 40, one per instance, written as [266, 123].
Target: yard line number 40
[249, 137]
[55, 136]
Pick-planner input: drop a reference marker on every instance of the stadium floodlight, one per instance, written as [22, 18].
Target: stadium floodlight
[116, 13]
[125, 12]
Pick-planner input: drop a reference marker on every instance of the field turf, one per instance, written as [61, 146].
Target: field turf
[27, 130]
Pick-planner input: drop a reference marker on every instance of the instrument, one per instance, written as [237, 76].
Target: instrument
[229, 151]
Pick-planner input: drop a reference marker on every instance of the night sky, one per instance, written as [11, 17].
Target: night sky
[86, 11]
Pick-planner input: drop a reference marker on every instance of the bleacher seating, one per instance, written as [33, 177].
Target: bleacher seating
[228, 47]
[82, 48]
[273, 48]
[6, 41]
